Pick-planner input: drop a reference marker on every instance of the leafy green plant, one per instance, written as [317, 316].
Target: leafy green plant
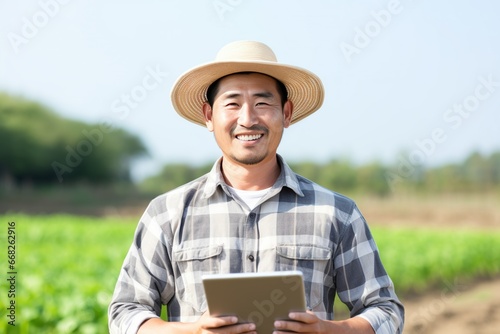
[68, 265]
[419, 259]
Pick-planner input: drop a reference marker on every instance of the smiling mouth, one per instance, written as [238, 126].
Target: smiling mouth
[249, 137]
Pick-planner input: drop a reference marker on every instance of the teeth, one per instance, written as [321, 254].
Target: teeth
[249, 137]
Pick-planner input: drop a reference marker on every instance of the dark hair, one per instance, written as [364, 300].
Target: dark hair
[213, 89]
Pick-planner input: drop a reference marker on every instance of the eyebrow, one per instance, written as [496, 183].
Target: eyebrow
[264, 94]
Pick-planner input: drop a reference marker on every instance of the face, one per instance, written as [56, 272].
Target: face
[247, 118]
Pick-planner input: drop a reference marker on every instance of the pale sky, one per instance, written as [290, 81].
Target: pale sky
[418, 77]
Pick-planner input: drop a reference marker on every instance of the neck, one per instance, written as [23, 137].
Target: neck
[250, 177]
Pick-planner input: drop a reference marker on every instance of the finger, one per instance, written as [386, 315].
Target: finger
[216, 322]
[304, 317]
[289, 326]
[300, 322]
[248, 328]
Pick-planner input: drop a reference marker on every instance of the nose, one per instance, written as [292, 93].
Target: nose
[247, 116]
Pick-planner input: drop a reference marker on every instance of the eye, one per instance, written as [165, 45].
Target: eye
[262, 104]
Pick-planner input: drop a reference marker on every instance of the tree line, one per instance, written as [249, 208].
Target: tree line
[477, 173]
[39, 147]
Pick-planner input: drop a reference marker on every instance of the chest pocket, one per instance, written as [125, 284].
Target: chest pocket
[312, 261]
[192, 263]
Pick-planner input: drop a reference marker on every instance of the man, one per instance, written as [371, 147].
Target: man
[251, 213]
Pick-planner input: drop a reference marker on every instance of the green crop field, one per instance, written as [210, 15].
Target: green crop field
[66, 266]
[66, 270]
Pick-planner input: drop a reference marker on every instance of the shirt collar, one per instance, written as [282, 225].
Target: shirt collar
[287, 178]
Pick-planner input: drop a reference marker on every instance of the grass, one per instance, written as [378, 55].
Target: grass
[68, 265]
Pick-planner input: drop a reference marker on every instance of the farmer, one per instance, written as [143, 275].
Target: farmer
[251, 213]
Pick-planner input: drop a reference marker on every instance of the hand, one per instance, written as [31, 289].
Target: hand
[301, 322]
[308, 322]
[222, 325]
[205, 325]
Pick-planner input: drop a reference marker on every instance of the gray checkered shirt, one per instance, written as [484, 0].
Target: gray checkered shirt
[199, 228]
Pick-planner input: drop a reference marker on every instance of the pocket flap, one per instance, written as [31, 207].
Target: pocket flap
[198, 253]
[304, 252]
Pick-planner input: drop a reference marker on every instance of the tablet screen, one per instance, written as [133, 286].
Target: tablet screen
[260, 298]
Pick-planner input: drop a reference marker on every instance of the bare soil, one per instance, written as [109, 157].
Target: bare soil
[446, 211]
[463, 307]
[472, 308]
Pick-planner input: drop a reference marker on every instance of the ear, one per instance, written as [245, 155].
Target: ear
[287, 113]
[207, 114]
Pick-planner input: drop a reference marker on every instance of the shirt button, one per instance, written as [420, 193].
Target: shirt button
[251, 258]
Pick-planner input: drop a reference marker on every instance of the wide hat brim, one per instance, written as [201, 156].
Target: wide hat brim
[305, 89]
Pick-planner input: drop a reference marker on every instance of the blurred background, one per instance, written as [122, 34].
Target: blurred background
[88, 136]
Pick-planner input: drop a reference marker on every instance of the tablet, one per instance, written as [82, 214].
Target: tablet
[260, 298]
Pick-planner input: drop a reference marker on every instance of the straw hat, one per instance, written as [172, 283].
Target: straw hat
[305, 89]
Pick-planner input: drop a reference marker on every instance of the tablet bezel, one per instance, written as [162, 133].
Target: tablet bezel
[260, 297]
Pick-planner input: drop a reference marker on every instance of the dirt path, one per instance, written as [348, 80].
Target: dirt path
[461, 309]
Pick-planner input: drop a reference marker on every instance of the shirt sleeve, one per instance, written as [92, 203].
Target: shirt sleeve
[362, 282]
[145, 280]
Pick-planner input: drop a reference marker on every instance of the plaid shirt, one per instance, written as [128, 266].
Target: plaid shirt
[199, 228]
